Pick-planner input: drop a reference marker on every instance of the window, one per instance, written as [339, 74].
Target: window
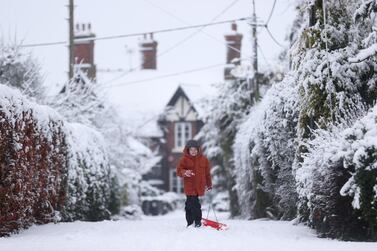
[182, 133]
[175, 182]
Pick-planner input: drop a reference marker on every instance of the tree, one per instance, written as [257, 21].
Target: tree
[334, 88]
[223, 114]
[19, 70]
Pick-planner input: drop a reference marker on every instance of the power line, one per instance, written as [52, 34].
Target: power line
[267, 23]
[166, 75]
[271, 12]
[273, 38]
[191, 35]
[181, 41]
[141, 33]
[264, 56]
[199, 30]
[170, 75]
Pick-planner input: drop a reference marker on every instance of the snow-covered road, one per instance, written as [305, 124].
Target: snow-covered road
[168, 232]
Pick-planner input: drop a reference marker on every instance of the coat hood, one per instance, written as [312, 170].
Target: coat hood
[187, 153]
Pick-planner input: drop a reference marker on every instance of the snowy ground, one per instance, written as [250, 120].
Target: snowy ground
[169, 233]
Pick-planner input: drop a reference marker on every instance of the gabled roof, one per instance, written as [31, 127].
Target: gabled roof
[178, 93]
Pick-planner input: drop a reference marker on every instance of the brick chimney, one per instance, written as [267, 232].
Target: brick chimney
[148, 49]
[84, 50]
[233, 40]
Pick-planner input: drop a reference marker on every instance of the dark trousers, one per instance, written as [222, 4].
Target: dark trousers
[193, 210]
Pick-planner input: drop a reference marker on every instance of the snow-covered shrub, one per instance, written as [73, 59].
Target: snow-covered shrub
[50, 170]
[222, 115]
[82, 100]
[89, 177]
[338, 179]
[337, 82]
[264, 151]
[33, 156]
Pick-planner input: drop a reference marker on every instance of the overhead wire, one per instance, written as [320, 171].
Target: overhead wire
[268, 29]
[201, 30]
[203, 68]
[166, 75]
[271, 12]
[273, 38]
[181, 41]
[136, 34]
[200, 26]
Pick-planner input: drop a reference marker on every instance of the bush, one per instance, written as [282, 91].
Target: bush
[48, 168]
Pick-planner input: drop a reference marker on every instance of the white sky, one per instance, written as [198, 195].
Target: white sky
[45, 21]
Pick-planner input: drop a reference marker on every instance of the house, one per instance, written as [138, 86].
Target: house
[179, 123]
[152, 88]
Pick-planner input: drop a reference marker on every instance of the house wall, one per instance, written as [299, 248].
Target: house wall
[173, 154]
[181, 110]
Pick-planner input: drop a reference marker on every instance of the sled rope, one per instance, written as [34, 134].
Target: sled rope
[211, 207]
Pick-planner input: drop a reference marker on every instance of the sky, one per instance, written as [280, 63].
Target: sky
[135, 94]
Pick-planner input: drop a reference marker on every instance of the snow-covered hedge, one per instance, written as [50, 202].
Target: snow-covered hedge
[264, 151]
[89, 176]
[332, 81]
[48, 168]
[338, 179]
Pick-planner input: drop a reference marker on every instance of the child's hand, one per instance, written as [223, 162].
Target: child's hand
[188, 173]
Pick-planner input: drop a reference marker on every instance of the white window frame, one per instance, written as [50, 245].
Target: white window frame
[180, 142]
[175, 182]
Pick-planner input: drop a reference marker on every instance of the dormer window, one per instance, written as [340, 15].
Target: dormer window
[182, 133]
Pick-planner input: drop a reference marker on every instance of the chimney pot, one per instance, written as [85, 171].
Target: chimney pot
[148, 49]
[234, 42]
[84, 51]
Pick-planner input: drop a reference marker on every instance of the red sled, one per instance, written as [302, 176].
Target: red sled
[214, 224]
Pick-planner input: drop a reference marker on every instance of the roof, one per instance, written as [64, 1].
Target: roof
[178, 93]
[141, 96]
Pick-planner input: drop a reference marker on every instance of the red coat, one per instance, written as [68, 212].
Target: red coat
[194, 185]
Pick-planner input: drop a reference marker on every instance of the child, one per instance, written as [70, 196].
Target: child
[194, 168]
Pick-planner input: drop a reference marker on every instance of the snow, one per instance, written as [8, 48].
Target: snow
[264, 142]
[168, 232]
[364, 54]
[349, 147]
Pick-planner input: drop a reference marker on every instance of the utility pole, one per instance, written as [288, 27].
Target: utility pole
[71, 38]
[254, 59]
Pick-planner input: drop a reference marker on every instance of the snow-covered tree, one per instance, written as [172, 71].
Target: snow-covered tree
[19, 70]
[334, 87]
[332, 82]
[223, 114]
[80, 99]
